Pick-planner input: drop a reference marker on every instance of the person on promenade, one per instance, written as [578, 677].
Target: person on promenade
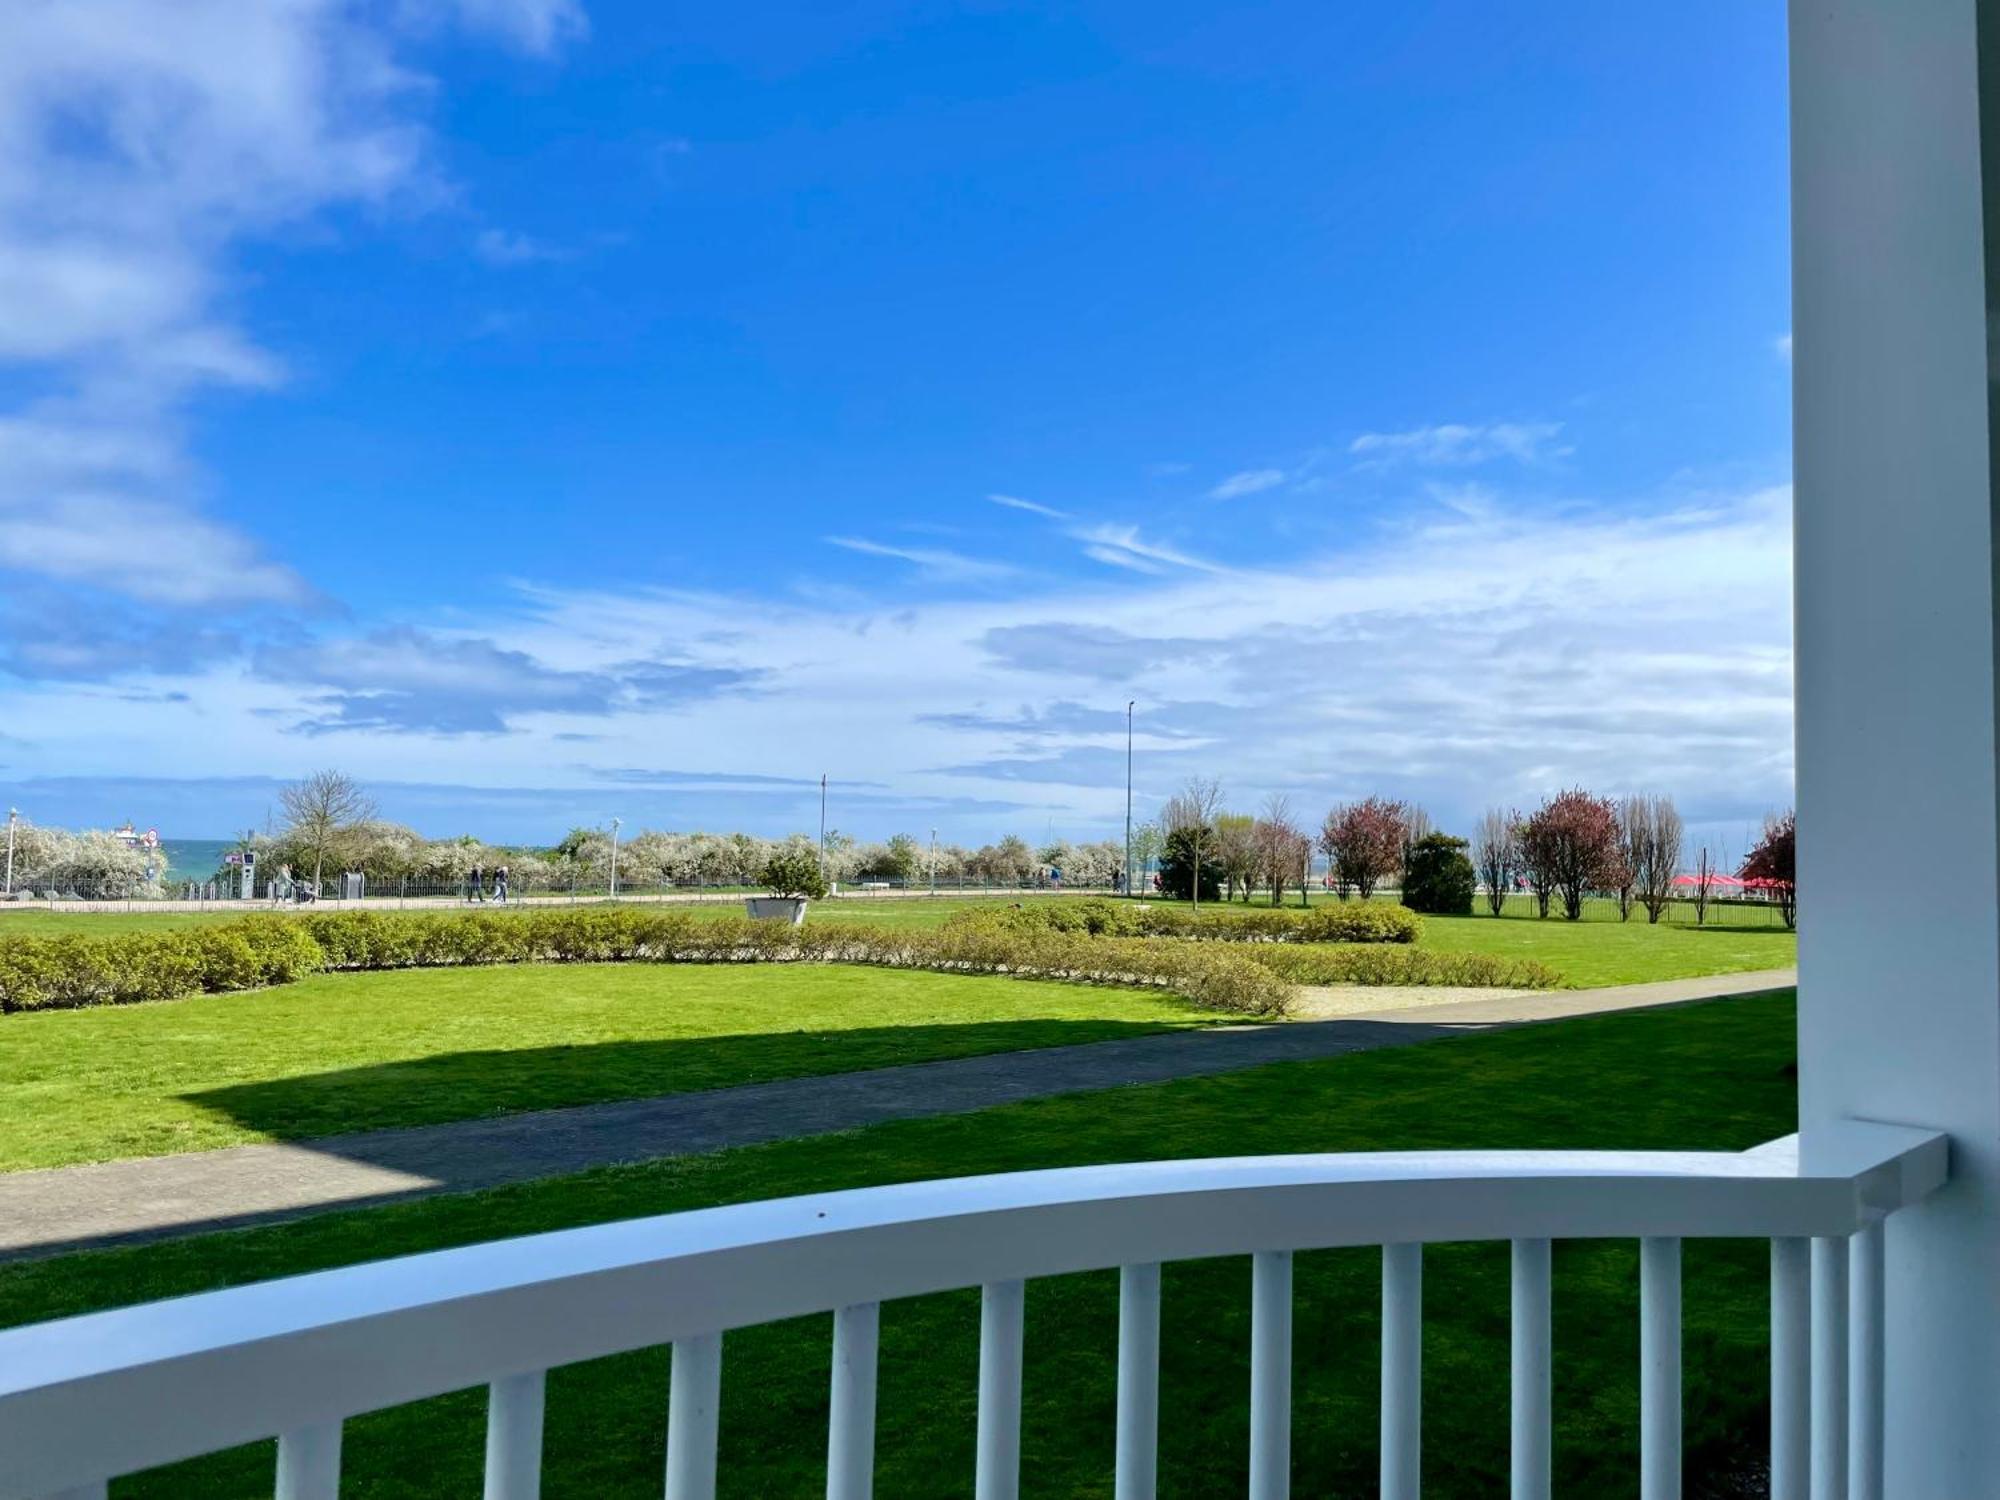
[475, 885]
[500, 885]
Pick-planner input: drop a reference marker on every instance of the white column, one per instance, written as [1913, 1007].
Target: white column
[1894, 514]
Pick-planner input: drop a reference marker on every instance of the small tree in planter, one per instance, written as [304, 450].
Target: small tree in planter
[792, 876]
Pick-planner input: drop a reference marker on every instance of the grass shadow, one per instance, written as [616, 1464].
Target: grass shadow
[651, 1104]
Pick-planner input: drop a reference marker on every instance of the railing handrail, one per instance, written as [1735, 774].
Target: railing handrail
[196, 1374]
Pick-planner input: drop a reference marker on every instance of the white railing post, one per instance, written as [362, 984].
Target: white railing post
[1829, 1369]
[997, 1475]
[1791, 1369]
[1138, 1462]
[1659, 1369]
[694, 1406]
[1533, 1405]
[514, 1409]
[1402, 1370]
[309, 1463]
[1270, 1375]
[850, 1426]
[1865, 1347]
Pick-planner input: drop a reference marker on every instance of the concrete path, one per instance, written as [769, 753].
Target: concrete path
[121, 1202]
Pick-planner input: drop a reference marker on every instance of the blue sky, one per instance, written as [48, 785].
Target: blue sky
[548, 409]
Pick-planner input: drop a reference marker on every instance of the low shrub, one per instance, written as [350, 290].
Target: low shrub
[72, 971]
[49, 973]
[1375, 964]
[1345, 922]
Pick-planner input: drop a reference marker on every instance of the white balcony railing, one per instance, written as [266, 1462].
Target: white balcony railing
[86, 1398]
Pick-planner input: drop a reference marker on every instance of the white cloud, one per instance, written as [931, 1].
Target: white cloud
[1782, 347]
[140, 143]
[1124, 547]
[1485, 658]
[933, 562]
[498, 247]
[1015, 502]
[1248, 482]
[539, 26]
[1457, 444]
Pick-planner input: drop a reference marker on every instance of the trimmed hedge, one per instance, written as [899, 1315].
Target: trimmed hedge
[65, 972]
[1342, 922]
[1304, 964]
[50, 973]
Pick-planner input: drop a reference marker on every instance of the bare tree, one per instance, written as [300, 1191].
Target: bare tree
[1277, 838]
[1416, 825]
[320, 811]
[1191, 811]
[1496, 852]
[1704, 884]
[1634, 824]
[1655, 853]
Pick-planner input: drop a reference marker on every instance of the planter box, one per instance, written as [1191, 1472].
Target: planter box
[775, 908]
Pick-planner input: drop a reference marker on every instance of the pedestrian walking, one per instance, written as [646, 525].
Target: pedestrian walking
[475, 885]
[500, 885]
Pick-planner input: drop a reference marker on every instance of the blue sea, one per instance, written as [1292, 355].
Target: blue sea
[194, 859]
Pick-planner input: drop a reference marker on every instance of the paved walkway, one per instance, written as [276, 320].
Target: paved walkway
[70, 1208]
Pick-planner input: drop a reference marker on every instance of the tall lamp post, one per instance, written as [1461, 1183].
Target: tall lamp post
[616, 824]
[13, 817]
[1128, 799]
[822, 828]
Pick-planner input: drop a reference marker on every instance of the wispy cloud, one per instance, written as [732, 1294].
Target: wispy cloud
[499, 247]
[1782, 347]
[1248, 482]
[1015, 502]
[933, 562]
[1124, 547]
[1459, 445]
[536, 26]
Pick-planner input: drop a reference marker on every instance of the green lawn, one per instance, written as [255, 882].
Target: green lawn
[1715, 1077]
[356, 1051]
[1590, 953]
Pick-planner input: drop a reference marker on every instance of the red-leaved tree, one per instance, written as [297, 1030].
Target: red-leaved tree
[1571, 846]
[1364, 841]
[1774, 864]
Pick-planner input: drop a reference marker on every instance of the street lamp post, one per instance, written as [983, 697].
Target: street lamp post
[1128, 800]
[13, 816]
[933, 861]
[616, 824]
[822, 828]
